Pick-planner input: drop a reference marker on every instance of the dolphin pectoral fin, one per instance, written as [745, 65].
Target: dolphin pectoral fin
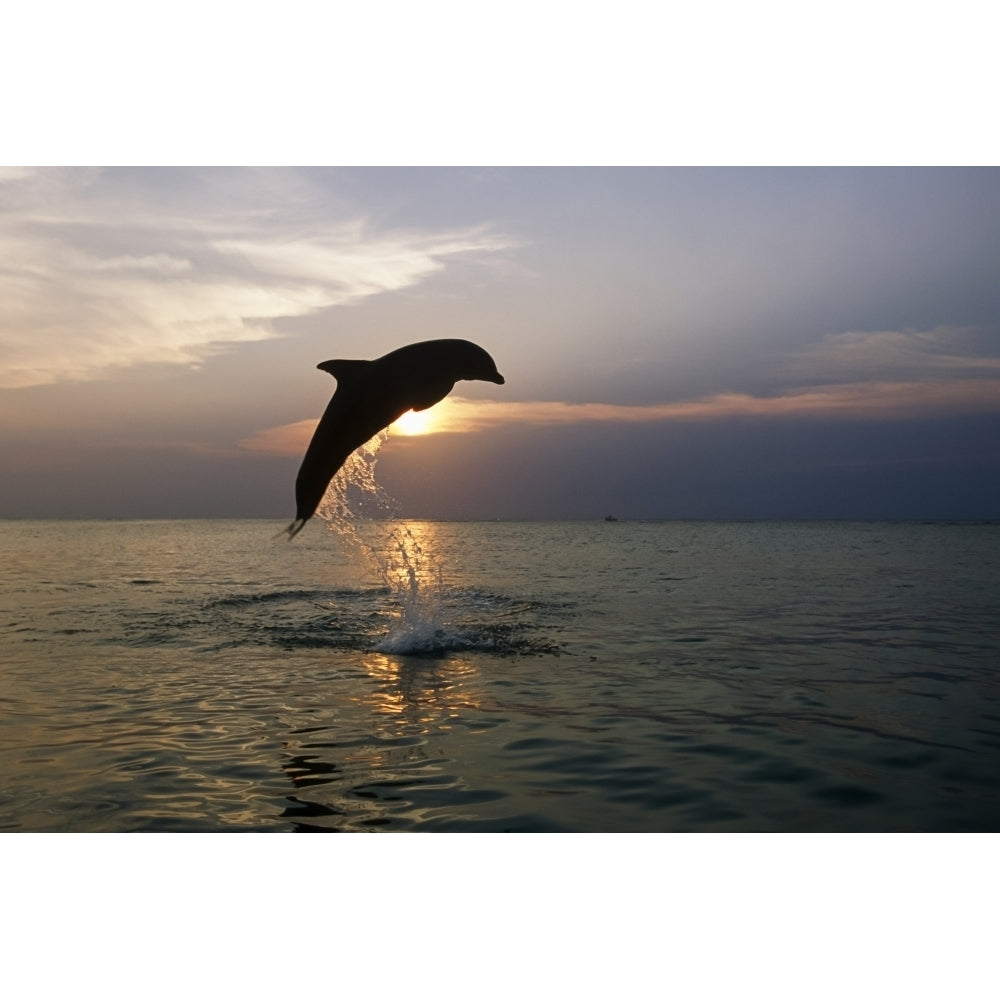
[431, 394]
[343, 370]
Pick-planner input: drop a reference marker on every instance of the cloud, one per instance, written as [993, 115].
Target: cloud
[872, 355]
[876, 375]
[854, 401]
[288, 439]
[9, 175]
[95, 276]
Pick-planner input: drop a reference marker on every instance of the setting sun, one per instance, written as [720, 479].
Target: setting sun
[414, 422]
[454, 413]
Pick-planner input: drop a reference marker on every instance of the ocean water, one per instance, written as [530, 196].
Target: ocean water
[501, 676]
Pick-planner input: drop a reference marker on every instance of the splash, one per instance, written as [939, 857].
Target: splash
[353, 491]
[395, 555]
[415, 581]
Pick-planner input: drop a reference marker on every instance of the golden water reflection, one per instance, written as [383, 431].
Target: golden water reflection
[416, 695]
[417, 685]
[422, 691]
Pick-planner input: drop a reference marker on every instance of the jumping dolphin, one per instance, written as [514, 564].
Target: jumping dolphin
[371, 395]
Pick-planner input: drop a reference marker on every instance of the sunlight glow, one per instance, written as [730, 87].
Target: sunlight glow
[415, 422]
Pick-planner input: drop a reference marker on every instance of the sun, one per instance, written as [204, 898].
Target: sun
[414, 422]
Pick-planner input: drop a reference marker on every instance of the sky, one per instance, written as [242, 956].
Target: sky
[677, 342]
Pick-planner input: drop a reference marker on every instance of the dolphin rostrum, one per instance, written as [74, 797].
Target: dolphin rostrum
[371, 395]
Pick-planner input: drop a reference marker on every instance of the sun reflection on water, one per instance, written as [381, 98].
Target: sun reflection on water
[419, 695]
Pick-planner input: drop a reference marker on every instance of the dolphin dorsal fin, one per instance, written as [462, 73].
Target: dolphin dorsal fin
[344, 371]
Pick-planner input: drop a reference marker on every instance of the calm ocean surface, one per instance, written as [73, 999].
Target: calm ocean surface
[564, 676]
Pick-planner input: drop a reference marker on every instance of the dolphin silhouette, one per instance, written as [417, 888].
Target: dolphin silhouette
[371, 395]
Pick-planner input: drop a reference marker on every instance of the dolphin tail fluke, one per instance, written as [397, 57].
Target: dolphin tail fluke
[294, 528]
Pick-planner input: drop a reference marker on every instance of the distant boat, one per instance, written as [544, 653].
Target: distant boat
[611, 517]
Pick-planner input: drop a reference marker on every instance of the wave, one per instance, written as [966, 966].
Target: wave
[430, 621]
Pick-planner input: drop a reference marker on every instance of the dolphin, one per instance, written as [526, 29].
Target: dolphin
[371, 395]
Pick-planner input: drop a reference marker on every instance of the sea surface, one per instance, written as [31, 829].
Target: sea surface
[503, 676]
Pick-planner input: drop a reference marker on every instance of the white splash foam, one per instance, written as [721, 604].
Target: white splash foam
[412, 576]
